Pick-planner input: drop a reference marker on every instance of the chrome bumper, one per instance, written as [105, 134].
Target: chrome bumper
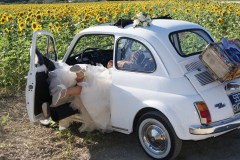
[216, 127]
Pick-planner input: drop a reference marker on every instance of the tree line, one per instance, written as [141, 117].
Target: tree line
[43, 1]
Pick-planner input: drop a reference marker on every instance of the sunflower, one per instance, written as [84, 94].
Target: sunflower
[137, 11]
[230, 8]
[220, 21]
[27, 20]
[223, 13]
[86, 17]
[21, 14]
[38, 17]
[99, 19]
[6, 30]
[125, 11]
[10, 17]
[53, 30]
[3, 20]
[197, 16]
[19, 20]
[57, 24]
[21, 26]
[39, 27]
[34, 26]
[187, 10]
[150, 10]
[106, 19]
[58, 30]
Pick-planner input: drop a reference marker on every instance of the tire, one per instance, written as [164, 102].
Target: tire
[153, 125]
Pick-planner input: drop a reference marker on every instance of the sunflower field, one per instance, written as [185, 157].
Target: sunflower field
[17, 23]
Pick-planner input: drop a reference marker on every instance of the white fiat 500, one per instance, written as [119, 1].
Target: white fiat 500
[167, 96]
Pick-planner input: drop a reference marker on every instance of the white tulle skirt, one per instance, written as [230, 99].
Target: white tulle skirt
[94, 97]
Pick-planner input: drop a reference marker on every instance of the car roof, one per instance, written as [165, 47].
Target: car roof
[159, 26]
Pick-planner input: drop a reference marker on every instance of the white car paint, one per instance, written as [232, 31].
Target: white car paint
[171, 89]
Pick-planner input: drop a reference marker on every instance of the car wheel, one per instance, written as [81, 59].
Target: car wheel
[157, 136]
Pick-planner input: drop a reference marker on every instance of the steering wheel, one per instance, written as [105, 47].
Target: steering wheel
[95, 56]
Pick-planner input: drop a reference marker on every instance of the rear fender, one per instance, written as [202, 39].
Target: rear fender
[170, 115]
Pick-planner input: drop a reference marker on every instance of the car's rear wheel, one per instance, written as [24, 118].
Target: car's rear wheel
[157, 136]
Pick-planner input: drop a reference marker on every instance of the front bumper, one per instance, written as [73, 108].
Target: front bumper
[216, 127]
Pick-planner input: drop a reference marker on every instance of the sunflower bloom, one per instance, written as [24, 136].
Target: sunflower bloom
[10, 17]
[34, 26]
[38, 17]
[27, 20]
[3, 20]
[21, 26]
[137, 11]
[21, 14]
[86, 17]
[57, 24]
[100, 19]
[106, 19]
[220, 21]
[39, 27]
[53, 30]
[19, 20]
[197, 16]
[6, 30]
[187, 10]
[125, 11]
[58, 30]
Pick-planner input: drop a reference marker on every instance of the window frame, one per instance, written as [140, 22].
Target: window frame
[92, 34]
[192, 31]
[116, 52]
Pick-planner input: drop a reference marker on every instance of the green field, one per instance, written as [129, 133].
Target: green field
[65, 20]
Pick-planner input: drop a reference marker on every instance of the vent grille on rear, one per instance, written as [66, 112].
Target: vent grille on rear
[194, 66]
[204, 78]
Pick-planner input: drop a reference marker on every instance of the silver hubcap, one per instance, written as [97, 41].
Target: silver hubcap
[155, 138]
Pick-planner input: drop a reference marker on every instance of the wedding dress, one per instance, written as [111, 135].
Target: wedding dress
[95, 94]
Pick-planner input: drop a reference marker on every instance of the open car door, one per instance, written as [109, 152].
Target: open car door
[42, 57]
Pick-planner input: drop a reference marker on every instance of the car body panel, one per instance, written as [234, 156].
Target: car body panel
[32, 88]
[171, 89]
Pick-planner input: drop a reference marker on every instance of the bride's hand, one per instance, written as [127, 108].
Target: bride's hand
[80, 76]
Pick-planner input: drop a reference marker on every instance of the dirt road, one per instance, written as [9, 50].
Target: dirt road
[20, 139]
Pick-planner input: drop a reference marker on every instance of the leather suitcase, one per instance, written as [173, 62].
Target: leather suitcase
[220, 63]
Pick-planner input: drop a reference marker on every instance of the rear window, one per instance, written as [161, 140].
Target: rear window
[190, 42]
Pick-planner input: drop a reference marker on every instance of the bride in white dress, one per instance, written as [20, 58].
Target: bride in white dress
[93, 91]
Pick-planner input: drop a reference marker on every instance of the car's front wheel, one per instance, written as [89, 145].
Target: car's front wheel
[157, 136]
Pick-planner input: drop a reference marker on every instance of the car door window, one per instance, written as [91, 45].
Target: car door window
[190, 42]
[45, 47]
[92, 49]
[132, 55]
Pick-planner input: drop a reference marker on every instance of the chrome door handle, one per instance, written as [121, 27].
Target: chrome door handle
[232, 86]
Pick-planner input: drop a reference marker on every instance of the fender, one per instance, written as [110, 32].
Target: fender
[173, 118]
